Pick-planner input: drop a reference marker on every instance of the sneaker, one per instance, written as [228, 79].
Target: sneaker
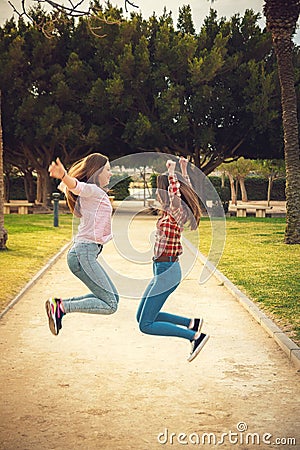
[55, 314]
[197, 346]
[197, 325]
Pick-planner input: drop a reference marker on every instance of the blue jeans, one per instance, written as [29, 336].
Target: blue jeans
[167, 276]
[103, 298]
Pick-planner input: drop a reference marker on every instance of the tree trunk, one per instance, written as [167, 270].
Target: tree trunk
[197, 158]
[3, 232]
[232, 188]
[6, 187]
[291, 142]
[236, 190]
[45, 187]
[198, 182]
[270, 185]
[39, 198]
[29, 187]
[281, 20]
[222, 179]
[243, 189]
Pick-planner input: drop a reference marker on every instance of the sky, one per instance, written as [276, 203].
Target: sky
[200, 9]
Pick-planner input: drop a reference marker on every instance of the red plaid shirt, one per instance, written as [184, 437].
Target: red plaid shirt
[169, 227]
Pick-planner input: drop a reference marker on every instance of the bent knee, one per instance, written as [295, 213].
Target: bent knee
[144, 327]
[113, 304]
[114, 307]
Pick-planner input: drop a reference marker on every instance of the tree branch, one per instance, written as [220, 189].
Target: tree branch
[73, 10]
[69, 11]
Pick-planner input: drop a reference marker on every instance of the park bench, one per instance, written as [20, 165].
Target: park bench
[19, 207]
[260, 211]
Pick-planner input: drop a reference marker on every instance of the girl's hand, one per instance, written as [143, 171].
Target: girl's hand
[183, 162]
[171, 166]
[56, 169]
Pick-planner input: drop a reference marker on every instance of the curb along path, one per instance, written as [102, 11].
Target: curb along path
[291, 349]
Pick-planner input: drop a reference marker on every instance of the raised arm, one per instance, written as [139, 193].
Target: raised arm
[174, 186]
[57, 170]
[183, 162]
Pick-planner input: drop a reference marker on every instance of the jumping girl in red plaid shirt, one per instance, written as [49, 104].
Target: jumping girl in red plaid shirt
[180, 205]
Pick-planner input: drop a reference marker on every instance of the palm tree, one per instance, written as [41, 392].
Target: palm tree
[281, 19]
[3, 232]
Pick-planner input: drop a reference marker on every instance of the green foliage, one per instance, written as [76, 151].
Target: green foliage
[17, 191]
[257, 188]
[273, 168]
[185, 22]
[240, 167]
[153, 180]
[144, 86]
[224, 193]
[120, 186]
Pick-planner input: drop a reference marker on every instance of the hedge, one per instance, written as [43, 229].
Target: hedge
[257, 188]
[120, 186]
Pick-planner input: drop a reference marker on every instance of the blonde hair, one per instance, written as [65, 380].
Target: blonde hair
[87, 170]
[189, 198]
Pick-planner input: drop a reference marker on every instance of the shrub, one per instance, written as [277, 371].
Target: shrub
[257, 188]
[120, 186]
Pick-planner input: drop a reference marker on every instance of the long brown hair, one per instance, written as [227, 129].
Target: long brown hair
[189, 198]
[86, 169]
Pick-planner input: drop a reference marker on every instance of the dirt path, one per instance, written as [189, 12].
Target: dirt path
[101, 384]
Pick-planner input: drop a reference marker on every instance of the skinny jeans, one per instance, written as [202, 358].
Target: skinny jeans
[167, 277]
[103, 298]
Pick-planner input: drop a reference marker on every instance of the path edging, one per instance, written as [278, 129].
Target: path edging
[285, 343]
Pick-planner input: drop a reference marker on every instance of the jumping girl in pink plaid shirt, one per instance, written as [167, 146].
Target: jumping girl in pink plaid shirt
[180, 205]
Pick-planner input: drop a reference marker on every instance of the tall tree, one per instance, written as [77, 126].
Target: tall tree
[208, 97]
[146, 86]
[3, 232]
[185, 21]
[281, 17]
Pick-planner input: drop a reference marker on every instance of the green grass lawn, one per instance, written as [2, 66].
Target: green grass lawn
[32, 241]
[257, 261]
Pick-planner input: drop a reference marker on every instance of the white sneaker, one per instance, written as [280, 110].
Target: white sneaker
[197, 346]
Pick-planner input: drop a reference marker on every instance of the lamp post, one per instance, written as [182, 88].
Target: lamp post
[55, 196]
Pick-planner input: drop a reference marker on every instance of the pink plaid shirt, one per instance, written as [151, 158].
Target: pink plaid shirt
[96, 211]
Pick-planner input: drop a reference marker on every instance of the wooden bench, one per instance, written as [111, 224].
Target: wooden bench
[260, 211]
[20, 207]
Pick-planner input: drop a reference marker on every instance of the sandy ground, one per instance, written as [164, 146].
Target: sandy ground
[102, 384]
